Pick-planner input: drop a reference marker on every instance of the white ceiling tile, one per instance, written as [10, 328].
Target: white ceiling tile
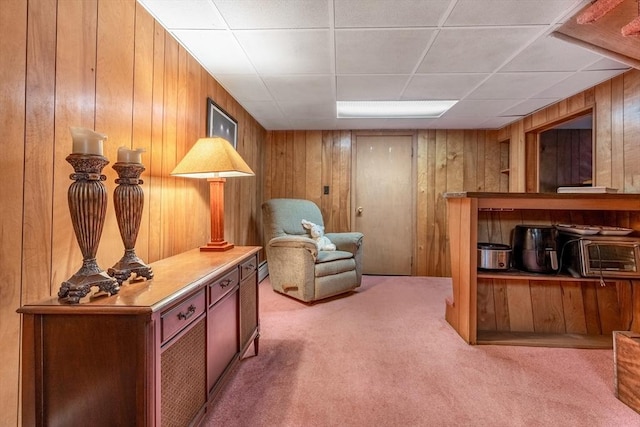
[516, 85]
[578, 82]
[200, 14]
[301, 88]
[479, 50]
[287, 61]
[288, 51]
[370, 87]
[480, 107]
[245, 87]
[551, 54]
[442, 86]
[507, 12]
[386, 13]
[386, 51]
[606, 64]
[316, 124]
[529, 105]
[261, 14]
[217, 50]
[459, 123]
[304, 108]
[498, 122]
[265, 112]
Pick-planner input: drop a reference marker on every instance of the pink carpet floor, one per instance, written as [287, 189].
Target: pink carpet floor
[385, 356]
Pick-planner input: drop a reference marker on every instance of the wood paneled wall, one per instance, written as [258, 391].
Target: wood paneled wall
[565, 158]
[298, 164]
[105, 65]
[616, 150]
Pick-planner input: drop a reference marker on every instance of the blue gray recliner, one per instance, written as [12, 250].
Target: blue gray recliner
[296, 267]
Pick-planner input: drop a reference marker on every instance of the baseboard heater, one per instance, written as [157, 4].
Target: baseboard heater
[263, 271]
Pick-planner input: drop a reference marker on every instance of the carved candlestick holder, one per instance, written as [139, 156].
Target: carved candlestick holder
[128, 199]
[87, 199]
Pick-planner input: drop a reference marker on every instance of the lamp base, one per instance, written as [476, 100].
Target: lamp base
[216, 246]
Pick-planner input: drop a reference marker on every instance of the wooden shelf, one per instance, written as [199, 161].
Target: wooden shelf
[532, 339]
[542, 306]
[523, 275]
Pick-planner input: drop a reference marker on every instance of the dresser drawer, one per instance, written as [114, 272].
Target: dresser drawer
[180, 316]
[222, 286]
[248, 267]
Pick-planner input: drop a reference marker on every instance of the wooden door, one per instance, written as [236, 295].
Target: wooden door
[384, 202]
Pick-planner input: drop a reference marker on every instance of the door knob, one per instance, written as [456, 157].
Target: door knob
[359, 210]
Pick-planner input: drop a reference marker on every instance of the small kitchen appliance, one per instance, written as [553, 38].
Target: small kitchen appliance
[535, 248]
[601, 256]
[494, 256]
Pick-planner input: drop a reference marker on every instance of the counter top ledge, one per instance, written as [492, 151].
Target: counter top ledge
[559, 196]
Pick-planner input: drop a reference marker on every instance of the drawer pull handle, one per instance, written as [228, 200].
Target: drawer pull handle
[190, 311]
[225, 283]
[250, 267]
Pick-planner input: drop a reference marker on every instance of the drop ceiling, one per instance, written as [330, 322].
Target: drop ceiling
[287, 62]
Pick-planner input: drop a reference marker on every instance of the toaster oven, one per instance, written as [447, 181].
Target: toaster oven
[601, 256]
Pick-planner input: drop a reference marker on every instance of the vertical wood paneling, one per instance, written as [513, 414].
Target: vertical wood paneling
[169, 146]
[546, 300]
[156, 153]
[433, 236]
[108, 66]
[75, 89]
[39, 148]
[553, 307]
[616, 105]
[446, 161]
[313, 166]
[13, 67]
[631, 126]
[573, 303]
[143, 111]
[565, 158]
[114, 103]
[603, 126]
[326, 204]
[299, 164]
[440, 255]
[615, 140]
[423, 219]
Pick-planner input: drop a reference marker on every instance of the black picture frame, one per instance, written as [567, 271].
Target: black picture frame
[220, 123]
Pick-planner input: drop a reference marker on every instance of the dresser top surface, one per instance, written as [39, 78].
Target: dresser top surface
[174, 278]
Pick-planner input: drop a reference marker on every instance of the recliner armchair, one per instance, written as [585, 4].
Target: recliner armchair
[296, 267]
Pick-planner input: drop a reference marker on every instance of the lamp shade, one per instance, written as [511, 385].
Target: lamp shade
[212, 158]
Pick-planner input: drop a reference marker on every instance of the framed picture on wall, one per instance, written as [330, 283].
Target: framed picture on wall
[221, 124]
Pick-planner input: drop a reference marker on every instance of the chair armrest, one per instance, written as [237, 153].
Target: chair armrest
[349, 242]
[300, 242]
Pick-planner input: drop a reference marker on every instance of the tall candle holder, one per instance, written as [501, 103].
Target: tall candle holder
[87, 199]
[128, 199]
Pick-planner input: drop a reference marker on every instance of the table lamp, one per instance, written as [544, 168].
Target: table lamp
[214, 159]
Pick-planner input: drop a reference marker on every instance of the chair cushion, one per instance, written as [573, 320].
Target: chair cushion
[328, 256]
[334, 262]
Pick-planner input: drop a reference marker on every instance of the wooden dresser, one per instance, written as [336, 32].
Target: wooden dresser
[155, 354]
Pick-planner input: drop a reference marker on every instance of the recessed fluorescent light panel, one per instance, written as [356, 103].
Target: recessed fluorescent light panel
[392, 109]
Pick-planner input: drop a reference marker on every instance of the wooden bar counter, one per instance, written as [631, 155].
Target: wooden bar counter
[520, 308]
[154, 354]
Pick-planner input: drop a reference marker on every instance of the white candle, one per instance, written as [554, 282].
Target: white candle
[86, 141]
[126, 155]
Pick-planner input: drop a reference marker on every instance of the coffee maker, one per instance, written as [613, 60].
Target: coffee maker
[535, 248]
